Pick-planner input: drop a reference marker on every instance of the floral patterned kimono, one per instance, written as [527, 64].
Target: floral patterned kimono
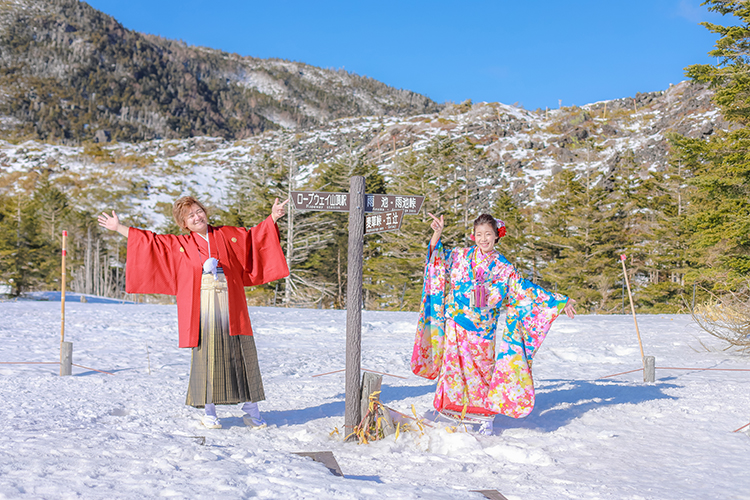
[477, 373]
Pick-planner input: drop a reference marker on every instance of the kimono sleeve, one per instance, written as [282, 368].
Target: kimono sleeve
[531, 311]
[427, 355]
[260, 253]
[150, 266]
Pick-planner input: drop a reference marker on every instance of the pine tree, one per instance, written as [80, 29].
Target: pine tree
[718, 216]
[579, 235]
[448, 174]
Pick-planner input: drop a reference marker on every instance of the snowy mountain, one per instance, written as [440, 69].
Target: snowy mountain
[72, 73]
[522, 148]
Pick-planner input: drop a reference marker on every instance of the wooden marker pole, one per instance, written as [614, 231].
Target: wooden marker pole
[352, 414]
[66, 348]
[632, 309]
[649, 369]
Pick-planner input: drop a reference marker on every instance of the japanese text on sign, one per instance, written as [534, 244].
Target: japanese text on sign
[388, 202]
[381, 222]
[311, 200]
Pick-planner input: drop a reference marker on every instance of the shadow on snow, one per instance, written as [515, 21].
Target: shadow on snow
[336, 408]
[558, 402]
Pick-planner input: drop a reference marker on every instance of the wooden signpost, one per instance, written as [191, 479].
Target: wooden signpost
[66, 348]
[368, 214]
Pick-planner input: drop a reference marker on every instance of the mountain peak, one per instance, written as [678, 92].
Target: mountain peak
[70, 71]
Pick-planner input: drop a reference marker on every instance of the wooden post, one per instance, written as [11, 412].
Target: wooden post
[289, 239]
[352, 414]
[66, 348]
[370, 383]
[632, 308]
[605, 110]
[66, 358]
[649, 369]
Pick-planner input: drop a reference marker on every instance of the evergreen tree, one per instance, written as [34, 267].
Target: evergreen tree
[717, 220]
[579, 234]
[648, 208]
[28, 255]
[448, 174]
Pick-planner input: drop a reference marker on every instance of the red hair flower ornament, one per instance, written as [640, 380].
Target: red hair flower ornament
[500, 228]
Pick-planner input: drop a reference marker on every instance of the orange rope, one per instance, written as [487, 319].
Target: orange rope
[337, 371]
[383, 373]
[29, 363]
[738, 430]
[49, 363]
[702, 369]
[363, 369]
[93, 369]
[676, 368]
[623, 373]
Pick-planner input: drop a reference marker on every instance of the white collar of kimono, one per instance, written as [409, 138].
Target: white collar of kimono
[211, 265]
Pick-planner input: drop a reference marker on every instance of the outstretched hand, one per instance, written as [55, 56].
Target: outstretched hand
[278, 211]
[111, 223]
[570, 308]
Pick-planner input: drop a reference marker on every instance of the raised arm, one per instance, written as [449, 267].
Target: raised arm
[437, 228]
[113, 223]
[277, 211]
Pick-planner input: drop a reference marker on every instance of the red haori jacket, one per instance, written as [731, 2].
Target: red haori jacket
[172, 265]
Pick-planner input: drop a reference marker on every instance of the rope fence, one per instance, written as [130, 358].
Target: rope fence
[679, 368]
[50, 363]
[688, 369]
[363, 369]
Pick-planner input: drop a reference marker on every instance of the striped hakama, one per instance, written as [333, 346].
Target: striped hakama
[223, 368]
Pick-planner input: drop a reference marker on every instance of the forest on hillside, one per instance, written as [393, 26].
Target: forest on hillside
[71, 74]
[570, 243]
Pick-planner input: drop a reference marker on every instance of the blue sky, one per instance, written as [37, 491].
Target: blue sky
[533, 53]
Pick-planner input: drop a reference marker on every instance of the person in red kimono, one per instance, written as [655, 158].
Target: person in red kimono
[207, 270]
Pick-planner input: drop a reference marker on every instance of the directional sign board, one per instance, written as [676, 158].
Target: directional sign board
[311, 200]
[339, 202]
[388, 202]
[368, 214]
[380, 222]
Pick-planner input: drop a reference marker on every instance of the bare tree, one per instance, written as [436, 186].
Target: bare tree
[727, 317]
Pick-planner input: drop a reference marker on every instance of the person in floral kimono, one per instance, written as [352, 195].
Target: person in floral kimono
[480, 374]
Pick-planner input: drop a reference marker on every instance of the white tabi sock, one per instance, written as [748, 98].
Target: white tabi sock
[487, 427]
[211, 409]
[252, 410]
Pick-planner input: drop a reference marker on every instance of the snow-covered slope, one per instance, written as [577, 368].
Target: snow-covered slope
[523, 148]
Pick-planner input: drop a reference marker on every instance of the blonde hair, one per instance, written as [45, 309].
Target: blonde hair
[182, 206]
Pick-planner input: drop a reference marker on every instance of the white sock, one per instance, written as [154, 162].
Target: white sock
[251, 409]
[211, 409]
[487, 427]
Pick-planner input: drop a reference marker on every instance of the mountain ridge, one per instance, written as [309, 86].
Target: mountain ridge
[68, 70]
[519, 149]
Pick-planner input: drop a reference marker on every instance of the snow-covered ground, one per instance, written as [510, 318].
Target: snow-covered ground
[129, 435]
